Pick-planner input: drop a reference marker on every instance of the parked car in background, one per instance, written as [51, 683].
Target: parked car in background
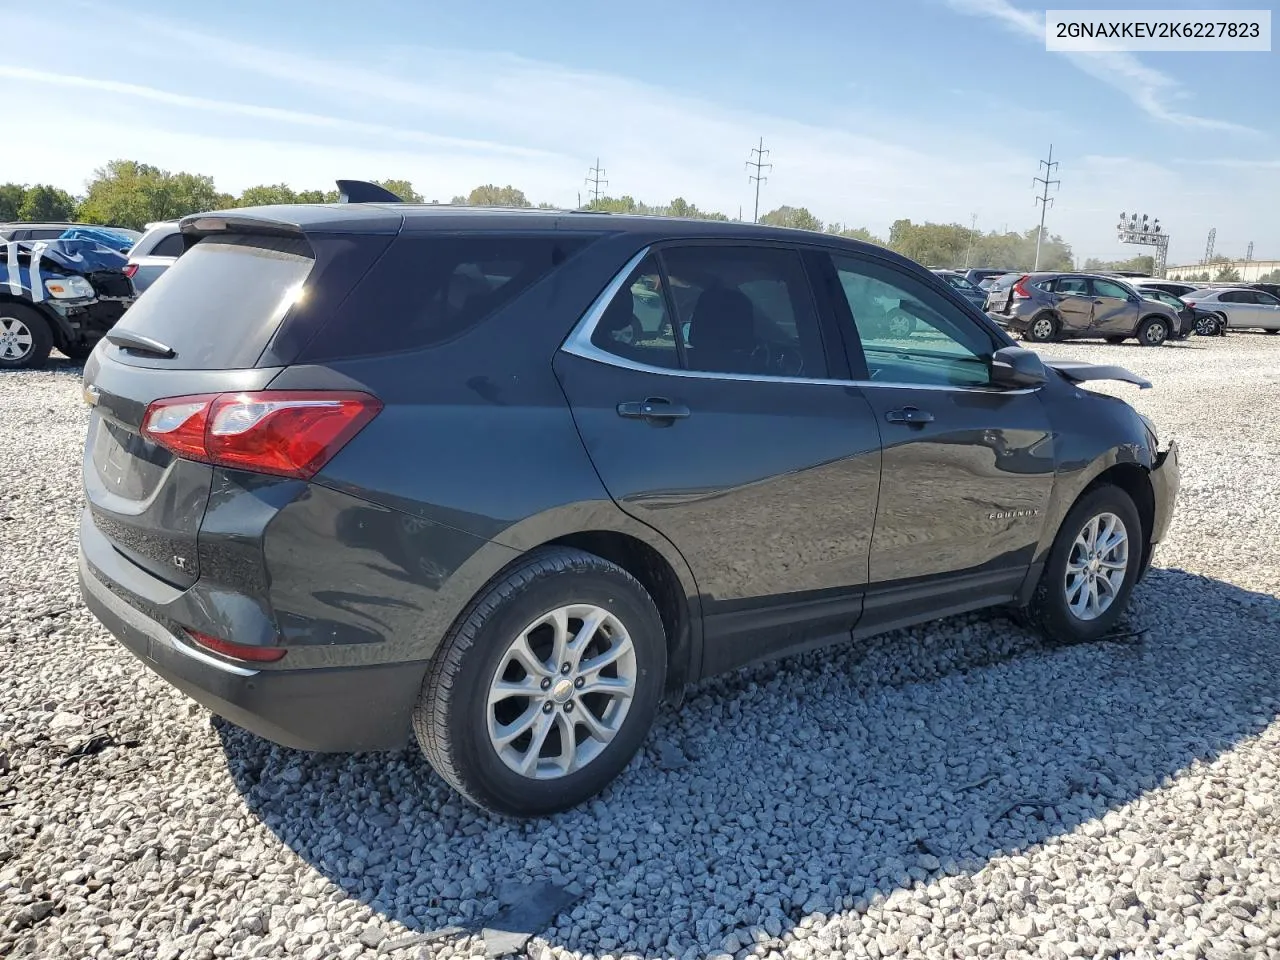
[964, 286]
[153, 254]
[1057, 306]
[117, 238]
[977, 275]
[1271, 288]
[58, 293]
[1175, 287]
[996, 287]
[1239, 308]
[1186, 314]
[366, 571]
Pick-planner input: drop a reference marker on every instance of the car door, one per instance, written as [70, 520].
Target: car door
[1268, 308]
[1115, 313]
[1239, 306]
[967, 468]
[1075, 303]
[731, 428]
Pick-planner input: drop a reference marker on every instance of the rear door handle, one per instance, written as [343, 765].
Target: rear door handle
[653, 409]
[909, 415]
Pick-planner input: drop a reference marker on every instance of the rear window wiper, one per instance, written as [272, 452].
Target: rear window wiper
[139, 344]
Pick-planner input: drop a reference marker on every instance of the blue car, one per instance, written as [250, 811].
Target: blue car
[64, 293]
[964, 286]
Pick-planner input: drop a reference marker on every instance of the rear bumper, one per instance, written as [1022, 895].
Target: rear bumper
[329, 709]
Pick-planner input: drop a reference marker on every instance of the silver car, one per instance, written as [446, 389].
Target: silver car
[154, 253]
[1239, 307]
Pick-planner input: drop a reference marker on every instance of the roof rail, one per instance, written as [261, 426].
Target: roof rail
[362, 191]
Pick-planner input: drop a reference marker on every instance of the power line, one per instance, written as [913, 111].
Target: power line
[1043, 197]
[758, 155]
[595, 180]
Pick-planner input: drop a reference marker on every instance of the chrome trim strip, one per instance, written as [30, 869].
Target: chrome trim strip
[579, 344]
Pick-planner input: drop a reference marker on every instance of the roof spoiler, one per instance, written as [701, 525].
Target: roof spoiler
[362, 191]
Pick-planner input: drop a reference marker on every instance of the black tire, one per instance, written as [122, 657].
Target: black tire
[1153, 332]
[1048, 610]
[1038, 332]
[451, 716]
[24, 329]
[1116, 339]
[79, 351]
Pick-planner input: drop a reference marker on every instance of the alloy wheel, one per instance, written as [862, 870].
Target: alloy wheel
[1156, 333]
[1096, 566]
[1042, 329]
[561, 691]
[16, 340]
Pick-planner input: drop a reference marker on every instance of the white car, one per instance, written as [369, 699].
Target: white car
[154, 253]
[1240, 307]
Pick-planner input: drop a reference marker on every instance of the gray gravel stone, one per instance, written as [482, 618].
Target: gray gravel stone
[955, 789]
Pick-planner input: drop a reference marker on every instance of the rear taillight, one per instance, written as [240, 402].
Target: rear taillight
[289, 433]
[237, 651]
[1020, 290]
[1190, 303]
[130, 269]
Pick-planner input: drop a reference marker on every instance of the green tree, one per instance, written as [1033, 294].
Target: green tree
[1227, 274]
[490, 195]
[932, 244]
[126, 193]
[265, 195]
[11, 195]
[853, 233]
[1146, 263]
[797, 218]
[1272, 277]
[402, 189]
[43, 202]
[317, 196]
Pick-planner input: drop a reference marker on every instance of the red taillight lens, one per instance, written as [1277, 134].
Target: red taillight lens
[1191, 304]
[289, 433]
[130, 269]
[237, 651]
[1020, 290]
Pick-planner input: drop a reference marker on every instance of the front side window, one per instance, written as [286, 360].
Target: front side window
[1266, 299]
[1108, 288]
[909, 333]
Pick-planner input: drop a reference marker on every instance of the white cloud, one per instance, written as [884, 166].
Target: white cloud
[1149, 89]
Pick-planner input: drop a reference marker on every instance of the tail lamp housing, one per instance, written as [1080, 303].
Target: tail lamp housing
[286, 433]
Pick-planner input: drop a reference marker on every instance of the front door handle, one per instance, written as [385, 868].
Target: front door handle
[909, 415]
[653, 409]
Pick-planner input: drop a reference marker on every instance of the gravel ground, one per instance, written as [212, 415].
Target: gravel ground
[954, 790]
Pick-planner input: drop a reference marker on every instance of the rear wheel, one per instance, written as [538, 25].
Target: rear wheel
[546, 687]
[1043, 328]
[25, 337]
[1153, 331]
[1092, 568]
[900, 324]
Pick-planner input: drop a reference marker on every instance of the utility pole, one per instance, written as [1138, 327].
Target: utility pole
[1043, 198]
[757, 161]
[1208, 247]
[1248, 254]
[595, 180]
[973, 228]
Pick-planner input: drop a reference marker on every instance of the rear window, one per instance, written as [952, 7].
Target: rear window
[427, 290]
[219, 305]
[170, 246]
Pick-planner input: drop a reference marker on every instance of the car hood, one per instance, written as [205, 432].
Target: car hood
[1077, 371]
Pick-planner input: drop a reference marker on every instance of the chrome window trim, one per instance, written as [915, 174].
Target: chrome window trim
[579, 344]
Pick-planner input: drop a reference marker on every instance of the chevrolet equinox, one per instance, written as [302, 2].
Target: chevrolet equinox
[502, 480]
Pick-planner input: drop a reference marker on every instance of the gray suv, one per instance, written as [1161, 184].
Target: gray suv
[1058, 306]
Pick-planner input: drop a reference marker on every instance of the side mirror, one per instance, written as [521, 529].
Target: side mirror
[1017, 367]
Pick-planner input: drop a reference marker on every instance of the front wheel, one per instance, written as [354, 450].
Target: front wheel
[546, 687]
[25, 337]
[1206, 327]
[1153, 332]
[1092, 568]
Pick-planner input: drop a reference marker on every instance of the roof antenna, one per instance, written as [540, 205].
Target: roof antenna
[362, 191]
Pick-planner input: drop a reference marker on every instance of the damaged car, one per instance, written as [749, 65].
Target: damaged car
[64, 293]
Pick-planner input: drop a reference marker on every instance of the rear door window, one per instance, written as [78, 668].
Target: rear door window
[219, 305]
[1106, 288]
[170, 246]
[1076, 286]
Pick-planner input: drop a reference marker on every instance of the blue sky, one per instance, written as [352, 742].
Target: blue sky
[929, 109]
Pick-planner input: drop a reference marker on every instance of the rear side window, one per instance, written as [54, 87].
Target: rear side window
[1237, 296]
[426, 290]
[170, 246]
[219, 305]
[1073, 285]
